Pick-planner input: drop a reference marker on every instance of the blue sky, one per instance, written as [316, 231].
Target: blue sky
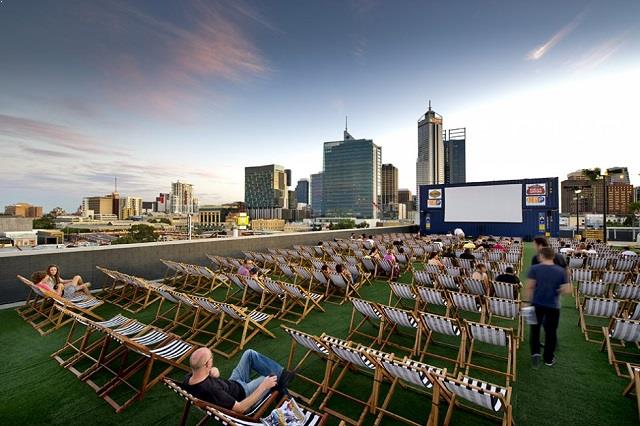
[156, 91]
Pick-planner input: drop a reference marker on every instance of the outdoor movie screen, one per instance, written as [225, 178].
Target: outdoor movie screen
[489, 203]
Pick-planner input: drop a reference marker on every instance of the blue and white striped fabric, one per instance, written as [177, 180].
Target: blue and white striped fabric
[506, 308]
[581, 275]
[402, 291]
[592, 288]
[614, 277]
[448, 282]
[422, 278]
[505, 290]
[208, 305]
[474, 286]
[400, 317]
[273, 286]
[130, 329]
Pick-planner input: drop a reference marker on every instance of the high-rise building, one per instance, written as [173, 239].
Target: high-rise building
[292, 200]
[182, 200]
[404, 195]
[637, 193]
[430, 162]
[619, 196]
[23, 210]
[618, 175]
[265, 191]
[317, 195]
[130, 206]
[389, 193]
[163, 203]
[454, 155]
[100, 205]
[589, 199]
[302, 191]
[352, 178]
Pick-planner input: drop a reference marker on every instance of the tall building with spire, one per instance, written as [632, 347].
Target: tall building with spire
[430, 162]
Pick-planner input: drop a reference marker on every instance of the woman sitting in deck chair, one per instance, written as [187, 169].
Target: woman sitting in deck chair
[69, 288]
[41, 281]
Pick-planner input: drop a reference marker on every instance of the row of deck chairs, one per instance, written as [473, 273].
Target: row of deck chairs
[607, 277]
[195, 279]
[466, 284]
[129, 292]
[343, 359]
[120, 358]
[616, 290]
[608, 263]
[40, 311]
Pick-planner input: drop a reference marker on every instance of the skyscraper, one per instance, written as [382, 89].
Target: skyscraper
[265, 191]
[454, 156]
[317, 196]
[618, 175]
[352, 178]
[430, 162]
[182, 200]
[130, 206]
[389, 190]
[302, 191]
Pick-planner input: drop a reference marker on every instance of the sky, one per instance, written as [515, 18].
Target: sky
[156, 91]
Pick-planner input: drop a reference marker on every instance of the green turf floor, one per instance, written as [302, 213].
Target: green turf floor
[580, 389]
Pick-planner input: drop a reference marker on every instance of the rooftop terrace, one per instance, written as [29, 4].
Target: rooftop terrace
[582, 388]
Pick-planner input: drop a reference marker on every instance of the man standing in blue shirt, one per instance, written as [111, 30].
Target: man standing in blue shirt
[546, 281]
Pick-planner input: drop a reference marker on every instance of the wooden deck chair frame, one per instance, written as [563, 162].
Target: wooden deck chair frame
[174, 315]
[117, 290]
[82, 304]
[338, 282]
[143, 295]
[173, 273]
[506, 309]
[296, 296]
[207, 313]
[238, 318]
[432, 296]
[370, 312]
[623, 331]
[596, 307]
[495, 336]
[436, 324]
[395, 319]
[411, 375]
[38, 308]
[314, 346]
[402, 292]
[497, 397]
[634, 384]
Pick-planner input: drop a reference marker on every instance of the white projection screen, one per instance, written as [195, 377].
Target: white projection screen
[490, 203]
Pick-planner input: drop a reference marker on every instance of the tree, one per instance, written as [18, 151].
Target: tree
[45, 222]
[593, 175]
[140, 233]
[634, 209]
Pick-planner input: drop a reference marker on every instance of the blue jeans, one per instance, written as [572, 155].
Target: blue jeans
[254, 361]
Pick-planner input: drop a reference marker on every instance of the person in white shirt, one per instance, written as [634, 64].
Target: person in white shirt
[565, 249]
[590, 250]
[458, 232]
[628, 252]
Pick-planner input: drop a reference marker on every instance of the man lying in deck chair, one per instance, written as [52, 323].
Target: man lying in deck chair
[239, 393]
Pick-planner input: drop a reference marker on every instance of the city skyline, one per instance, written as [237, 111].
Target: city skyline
[85, 98]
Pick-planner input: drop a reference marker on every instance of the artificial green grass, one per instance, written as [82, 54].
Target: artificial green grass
[581, 388]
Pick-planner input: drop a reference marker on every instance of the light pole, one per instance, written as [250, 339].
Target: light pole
[604, 207]
[577, 192]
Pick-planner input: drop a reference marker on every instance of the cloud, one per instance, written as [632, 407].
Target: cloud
[544, 48]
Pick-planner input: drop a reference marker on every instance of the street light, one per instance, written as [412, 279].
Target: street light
[605, 208]
[577, 192]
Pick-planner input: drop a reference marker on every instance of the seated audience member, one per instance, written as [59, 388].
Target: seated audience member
[70, 287]
[499, 247]
[590, 249]
[344, 272]
[541, 242]
[481, 275]
[565, 249]
[41, 280]
[469, 245]
[466, 254]
[434, 259]
[370, 240]
[448, 252]
[458, 232]
[391, 258]
[509, 276]
[325, 271]
[628, 252]
[353, 236]
[245, 268]
[374, 253]
[240, 392]
[254, 273]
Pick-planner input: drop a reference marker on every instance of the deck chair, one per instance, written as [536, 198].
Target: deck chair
[480, 397]
[422, 278]
[576, 262]
[590, 289]
[495, 336]
[257, 411]
[581, 275]
[403, 293]
[358, 276]
[116, 291]
[473, 286]
[463, 302]
[174, 310]
[314, 347]
[506, 290]
[279, 294]
[411, 375]
[371, 315]
[597, 263]
[614, 277]
[634, 384]
[259, 289]
[37, 309]
[447, 282]
[623, 264]
[286, 272]
[431, 296]
[432, 269]
[436, 324]
[175, 275]
[303, 275]
[296, 296]
[596, 307]
[396, 319]
[228, 417]
[623, 331]
[337, 282]
[506, 309]
[143, 294]
[386, 267]
[204, 280]
[370, 266]
[207, 313]
[629, 292]
[248, 323]
[359, 359]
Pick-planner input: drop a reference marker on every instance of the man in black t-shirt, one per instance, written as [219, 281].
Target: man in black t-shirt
[558, 259]
[239, 393]
[508, 277]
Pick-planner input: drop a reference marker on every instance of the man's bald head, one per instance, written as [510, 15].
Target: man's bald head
[199, 358]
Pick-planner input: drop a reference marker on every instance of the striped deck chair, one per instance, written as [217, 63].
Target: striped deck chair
[495, 256]
[436, 324]
[113, 292]
[506, 309]
[133, 380]
[371, 314]
[314, 347]
[303, 275]
[275, 288]
[369, 266]
[299, 297]
[358, 360]
[404, 261]
[497, 337]
[473, 286]
[261, 291]
[597, 263]
[576, 262]
[590, 289]
[465, 264]
[432, 269]
[411, 375]
[236, 282]
[480, 397]
[286, 271]
[143, 295]
[624, 264]
[614, 277]
[627, 332]
[463, 302]
[427, 296]
[581, 275]
[402, 293]
[228, 417]
[171, 313]
[204, 280]
[239, 319]
[173, 274]
[447, 282]
[422, 278]
[396, 319]
[454, 271]
[633, 311]
[634, 384]
[596, 307]
[506, 290]
[321, 279]
[358, 276]
[340, 282]
[37, 309]
[207, 313]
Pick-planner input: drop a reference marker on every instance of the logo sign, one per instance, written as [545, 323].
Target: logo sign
[539, 200]
[434, 204]
[427, 222]
[536, 189]
[542, 222]
[435, 194]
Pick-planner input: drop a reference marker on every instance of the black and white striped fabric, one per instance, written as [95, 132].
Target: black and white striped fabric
[413, 372]
[385, 265]
[166, 295]
[368, 264]
[237, 280]
[626, 265]
[303, 272]
[506, 308]
[466, 302]
[480, 393]
[432, 296]
[338, 280]
[130, 329]
[150, 338]
[273, 286]
[635, 315]
[306, 340]
[474, 286]
[258, 316]
[581, 274]
[440, 324]
[494, 256]
[465, 264]
[253, 285]
[183, 298]
[422, 278]
[614, 277]
[598, 307]
[453, 271]
[625, 330]
[448, 282]
[627, 291]
[366, 308]
[333, 340]
[505, 290]
[402, 291]
[310, 418]
[597, 263]
[432, 269]
[84, 302]
[172, 350]
[592, 288]
[351, 355]
[116, 321]
[286, 270]
[400, 317]
[207, 304]
[490, 334]
[576, 262]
